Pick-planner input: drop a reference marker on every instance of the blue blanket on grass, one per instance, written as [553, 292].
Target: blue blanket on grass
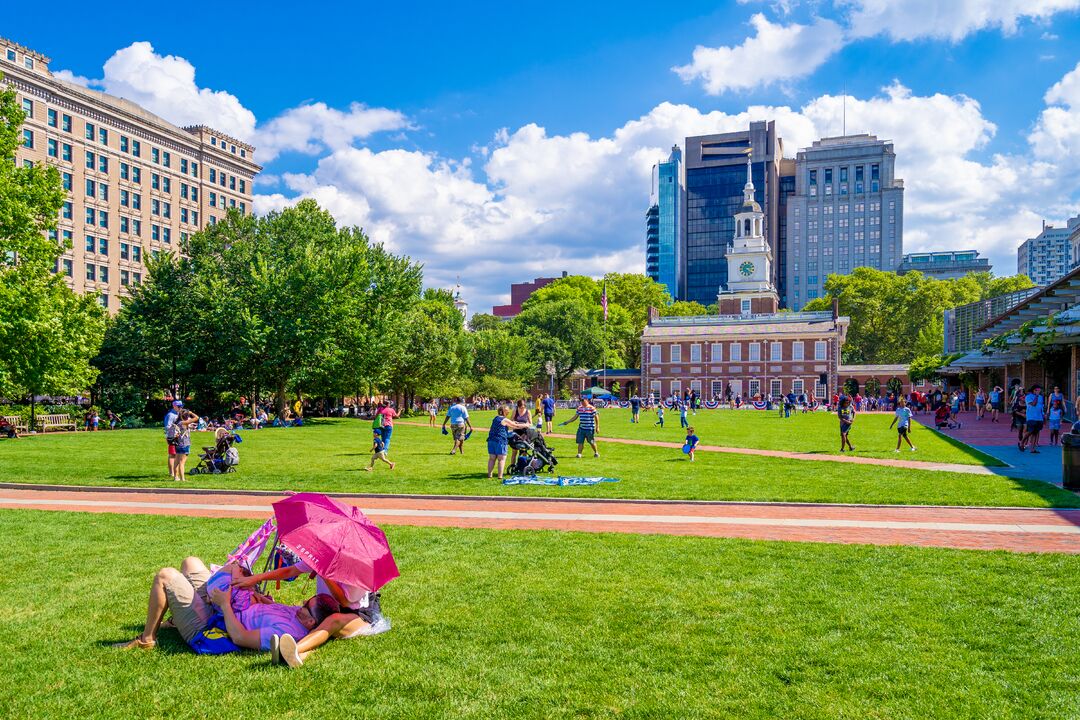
[561, 481]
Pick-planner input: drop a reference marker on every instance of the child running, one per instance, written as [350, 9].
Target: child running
[660, 417]
[847, 418]
[903, 417]
[692, 441]
[682, 415]
[378, 450]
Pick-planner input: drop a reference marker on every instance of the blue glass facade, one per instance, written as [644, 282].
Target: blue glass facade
[713, 196]
[652, 242]
[669, 193]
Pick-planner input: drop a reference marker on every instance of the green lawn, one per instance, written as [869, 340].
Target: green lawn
[507, 624]
[327, 456]
[806, 433]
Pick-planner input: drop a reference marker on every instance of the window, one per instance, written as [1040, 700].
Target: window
[66, 263]
[125, 171]
[755, 352]
[124, 198]
[103, 164]
[91, 216]
[166, 235]
[213, 199]
[155, 232]
[91, 244]
[103, 191]
[695, 353]
[65, 152]
[165, 158]
[65, 211]
[716, 354]
[66, 179]
[103, 247]
[11, 55]
[28, 107]
[676, 387]
[243, 186]
[755, 388]
[136, 278]
[221, 179]
[90, 187]
[89, 132]
[104, 299]
[28, 62]
[103, 218]
[213, 141]
[744, 306]
[166, 185]
[776, 352]
[91, 272]
[136, 253]
[654, 354]
[183, 165]
[183, 191]
[195, 193]
[28, 139]
[232, 182]
[103, 136]
[194, 217]
[123, 143]
[136, 149]
[774, 388]
[155, 181]
[65, 123]
[676, 353]
[735, 352]
[183, 215]
[53, 148]
[232, 202]
[654, 388]
[136, 175]
[194, 169]
[125, 277]
[797, 386]
[136, 201]
[136, 230]
[213, 175]
[125, 224]
[155, 206]
[819, 390]
[797, 350]
[155, 156]
[243, 210]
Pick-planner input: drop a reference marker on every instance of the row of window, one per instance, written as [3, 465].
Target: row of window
[28, 62]
[719, 388]
[735, 353]
[100, 273]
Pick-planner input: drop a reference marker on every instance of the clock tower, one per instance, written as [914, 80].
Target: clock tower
[749, 287]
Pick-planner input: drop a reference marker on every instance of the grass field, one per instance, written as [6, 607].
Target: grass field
[327, 456]
[505, 624]
[805, 433]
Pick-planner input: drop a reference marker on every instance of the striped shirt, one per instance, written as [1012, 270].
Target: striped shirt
[586, 418]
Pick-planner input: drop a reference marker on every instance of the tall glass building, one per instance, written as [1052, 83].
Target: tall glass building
[715, 176]
[665, 247]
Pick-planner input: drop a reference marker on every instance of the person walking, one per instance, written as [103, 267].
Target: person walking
[980, 404]
[635, 409]
[996, 404]
[902, 420]
[549, 411]
[378, 450]
[588, 425]
[660, 416]
[1034, 416]
[846, 413]
[458, 417]
[498, 438]
[692, 441]
[432, 411]
[682, 415]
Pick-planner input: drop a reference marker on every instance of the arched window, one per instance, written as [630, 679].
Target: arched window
[746, 227]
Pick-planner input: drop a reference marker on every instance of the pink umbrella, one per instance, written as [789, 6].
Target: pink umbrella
[336, 540]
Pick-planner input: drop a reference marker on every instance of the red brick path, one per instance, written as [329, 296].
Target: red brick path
[1015, 529]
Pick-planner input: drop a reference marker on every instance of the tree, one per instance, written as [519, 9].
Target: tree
[483, 321]
[565, 332]
[47, 333]
[499, 353]
[636, 293]
[684, 308]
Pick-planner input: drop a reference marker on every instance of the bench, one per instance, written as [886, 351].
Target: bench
[47, 422]
[17, 423]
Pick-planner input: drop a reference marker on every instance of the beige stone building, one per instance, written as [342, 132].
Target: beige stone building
[136, 184]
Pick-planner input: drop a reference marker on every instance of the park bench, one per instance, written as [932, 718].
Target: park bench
[47, 422]
[17, 422]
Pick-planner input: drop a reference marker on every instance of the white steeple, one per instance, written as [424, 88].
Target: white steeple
[748, 188]
[749, 256]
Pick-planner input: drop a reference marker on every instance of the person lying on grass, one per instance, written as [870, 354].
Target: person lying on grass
[252, 624]
[359, 612]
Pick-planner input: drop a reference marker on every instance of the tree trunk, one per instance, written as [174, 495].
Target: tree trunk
[281, 398]
[32, 408]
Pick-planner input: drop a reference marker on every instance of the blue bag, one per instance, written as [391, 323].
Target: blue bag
[214, 638]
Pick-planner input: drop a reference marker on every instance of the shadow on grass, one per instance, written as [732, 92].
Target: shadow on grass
[169, 642]
[135, 477]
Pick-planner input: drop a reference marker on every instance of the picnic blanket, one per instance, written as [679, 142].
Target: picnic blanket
[561, 481]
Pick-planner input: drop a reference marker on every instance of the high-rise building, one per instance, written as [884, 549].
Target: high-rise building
[715, 176]
[944, 265]
[1074, 241]
[665, 246]
[847, 212]
[136, 184]
[1047, 256]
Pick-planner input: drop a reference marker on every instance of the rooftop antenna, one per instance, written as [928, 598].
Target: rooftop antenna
[845, 110]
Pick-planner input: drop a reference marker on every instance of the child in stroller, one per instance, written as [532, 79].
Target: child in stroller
[221, 458]
[534, 455]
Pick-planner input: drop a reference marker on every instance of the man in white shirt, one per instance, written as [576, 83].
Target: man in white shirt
[458, 417]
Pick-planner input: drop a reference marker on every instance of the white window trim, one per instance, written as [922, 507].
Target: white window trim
[675, 353]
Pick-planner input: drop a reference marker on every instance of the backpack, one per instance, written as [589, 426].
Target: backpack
[232, 457]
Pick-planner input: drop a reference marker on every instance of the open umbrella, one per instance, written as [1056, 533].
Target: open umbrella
[597, 392]
[336, 540]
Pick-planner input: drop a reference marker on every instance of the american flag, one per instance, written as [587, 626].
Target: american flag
[603, 300]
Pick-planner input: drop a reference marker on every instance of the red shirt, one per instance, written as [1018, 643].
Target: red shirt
[388, 416]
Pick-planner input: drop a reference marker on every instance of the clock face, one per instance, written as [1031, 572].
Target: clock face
[747, 268]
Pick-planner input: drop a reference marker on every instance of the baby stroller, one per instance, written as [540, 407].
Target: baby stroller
[221, 458]
[534, 455]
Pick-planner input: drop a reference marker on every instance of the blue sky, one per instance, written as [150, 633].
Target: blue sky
[496, 142]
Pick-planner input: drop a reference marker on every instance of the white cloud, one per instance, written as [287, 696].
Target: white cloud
[952, 19]
[166, 86]
[775, 53]
[1056, 136]
[312, 128]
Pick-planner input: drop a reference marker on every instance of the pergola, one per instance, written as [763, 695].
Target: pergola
[1051, 300]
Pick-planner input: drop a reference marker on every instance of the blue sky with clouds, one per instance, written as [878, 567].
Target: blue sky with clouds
[498, 142]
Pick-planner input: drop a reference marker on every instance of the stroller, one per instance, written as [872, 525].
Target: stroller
[534, 455]
[221, 458]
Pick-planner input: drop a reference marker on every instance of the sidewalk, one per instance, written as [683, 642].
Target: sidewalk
[1013, 529]
[998, 440]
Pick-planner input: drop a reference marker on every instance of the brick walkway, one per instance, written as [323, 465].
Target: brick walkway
[1014, 529]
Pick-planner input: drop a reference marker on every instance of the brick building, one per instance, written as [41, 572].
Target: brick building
[519, 293]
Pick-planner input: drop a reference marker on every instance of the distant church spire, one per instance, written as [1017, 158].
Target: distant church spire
[748, 188]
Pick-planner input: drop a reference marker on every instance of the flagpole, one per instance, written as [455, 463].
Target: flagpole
[604, 371]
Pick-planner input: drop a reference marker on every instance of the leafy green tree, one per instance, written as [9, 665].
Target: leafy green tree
[47, 333]
[484, 321]
[499, 353]
[566, 332]
[684, 308]
[636, 293]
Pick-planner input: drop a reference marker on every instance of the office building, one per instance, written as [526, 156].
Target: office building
[136, 184]
[664, 225]
[715, 176]
[847, 212]
[519, 293]
[1047, 256]
[946, 265]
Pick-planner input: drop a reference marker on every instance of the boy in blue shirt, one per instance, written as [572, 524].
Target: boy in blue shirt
[378, 450]
[903, 417]
[660, 416]
[692, 441]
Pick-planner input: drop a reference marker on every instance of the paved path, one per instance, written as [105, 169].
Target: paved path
[997, 440]
[1015, 529]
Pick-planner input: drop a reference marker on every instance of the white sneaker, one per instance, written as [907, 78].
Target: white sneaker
[912, 449]
[896, 450]
[287, 648]
[596, 455]
[579, 454]
[381, 625]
